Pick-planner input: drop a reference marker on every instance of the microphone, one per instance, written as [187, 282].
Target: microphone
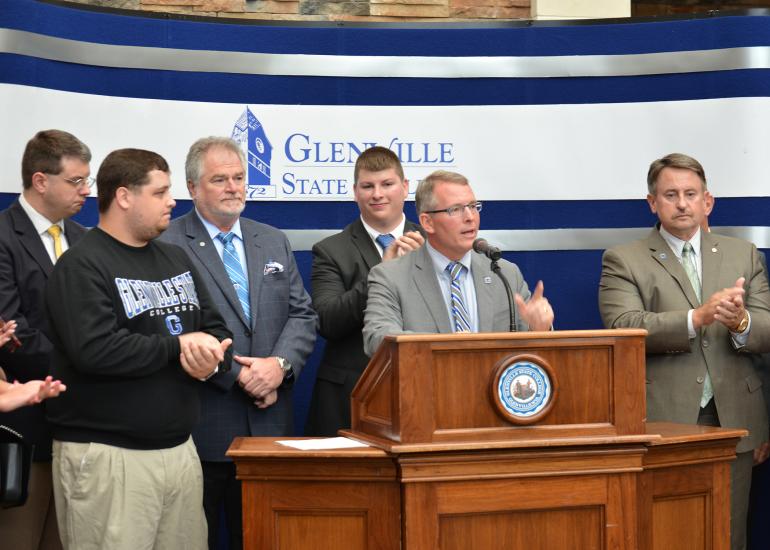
[483, 247]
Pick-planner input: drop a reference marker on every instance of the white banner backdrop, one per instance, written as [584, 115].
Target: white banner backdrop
[526, 152]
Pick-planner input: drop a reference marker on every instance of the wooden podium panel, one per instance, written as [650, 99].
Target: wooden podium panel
[686, 489]
[670, 492]
[297, 500]
[424, 389]
[454, 469]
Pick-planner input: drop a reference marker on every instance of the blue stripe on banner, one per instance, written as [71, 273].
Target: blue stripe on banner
[416, 39]
[497, 215]
[292, 90]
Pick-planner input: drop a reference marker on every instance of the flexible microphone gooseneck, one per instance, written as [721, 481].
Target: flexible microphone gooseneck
[481, 246]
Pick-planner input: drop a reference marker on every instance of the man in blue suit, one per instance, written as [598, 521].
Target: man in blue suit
[34, 231]
[250, 271]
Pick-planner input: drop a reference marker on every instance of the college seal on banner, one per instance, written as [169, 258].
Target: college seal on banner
[523, 389]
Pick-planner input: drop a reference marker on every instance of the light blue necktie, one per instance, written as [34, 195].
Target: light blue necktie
[688, 263]
[459, 311]
[385, 240]
[235, 271]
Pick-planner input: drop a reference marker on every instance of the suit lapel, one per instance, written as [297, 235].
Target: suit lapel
[203, 248]
[29, 238]
[363, 242]
[430, 291]
[711, 263]
[73, 231]
[485, 301]
[255, 264]
[662, 254]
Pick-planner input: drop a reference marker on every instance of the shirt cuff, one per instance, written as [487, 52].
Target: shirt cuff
[690, 329]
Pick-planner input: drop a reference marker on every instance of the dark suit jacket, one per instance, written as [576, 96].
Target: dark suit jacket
[24, 270]
[643, 285]
[341, 265]
[283, 324]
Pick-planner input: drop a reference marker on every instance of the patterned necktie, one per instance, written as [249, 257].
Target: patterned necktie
[385, 240]
[459, 311]
[235, 271]
[688, 263]
[55, 232]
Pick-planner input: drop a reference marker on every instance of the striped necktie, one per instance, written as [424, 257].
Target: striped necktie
[688, 263]
[459, 311]
[234, 270]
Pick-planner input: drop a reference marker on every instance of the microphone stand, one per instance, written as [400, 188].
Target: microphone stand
[508, 293]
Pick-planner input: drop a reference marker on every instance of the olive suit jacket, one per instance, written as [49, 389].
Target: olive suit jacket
[643, 285]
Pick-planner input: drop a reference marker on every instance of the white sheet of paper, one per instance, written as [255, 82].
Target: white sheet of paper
[322, 444]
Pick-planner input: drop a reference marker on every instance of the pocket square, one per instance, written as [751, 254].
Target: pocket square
[272, 267]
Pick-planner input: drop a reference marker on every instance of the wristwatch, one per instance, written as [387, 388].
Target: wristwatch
[285, 367]
[743, 324]
[212, 373]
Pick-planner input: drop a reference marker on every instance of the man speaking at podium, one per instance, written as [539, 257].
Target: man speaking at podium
[444, 286]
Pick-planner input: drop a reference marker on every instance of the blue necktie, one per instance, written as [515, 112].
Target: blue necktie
[459, 311]
[235, 271]
[385, 240]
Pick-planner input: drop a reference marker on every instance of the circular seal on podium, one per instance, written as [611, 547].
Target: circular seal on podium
[523, 388]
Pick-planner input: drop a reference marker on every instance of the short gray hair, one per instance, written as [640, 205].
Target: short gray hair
[424, 198]
[193, 165]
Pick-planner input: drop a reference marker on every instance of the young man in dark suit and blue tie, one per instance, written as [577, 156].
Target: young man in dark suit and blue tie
[341, 265]
[250, 271]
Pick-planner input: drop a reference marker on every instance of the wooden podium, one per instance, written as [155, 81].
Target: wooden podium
[496, 441]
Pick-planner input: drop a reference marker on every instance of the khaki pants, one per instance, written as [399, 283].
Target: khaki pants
[113, 498]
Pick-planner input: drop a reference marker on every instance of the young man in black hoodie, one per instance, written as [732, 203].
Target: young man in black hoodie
[135, 331]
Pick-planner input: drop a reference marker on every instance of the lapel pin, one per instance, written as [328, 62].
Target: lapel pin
[487, 280]
[202, 243]
[662, 256]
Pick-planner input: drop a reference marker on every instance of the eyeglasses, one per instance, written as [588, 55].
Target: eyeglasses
[454, 210]
[80, 183]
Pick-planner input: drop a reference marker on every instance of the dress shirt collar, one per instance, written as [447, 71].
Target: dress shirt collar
[373, 233]
[40, 222]
[440, 261]
[677, 244]
[213, 230]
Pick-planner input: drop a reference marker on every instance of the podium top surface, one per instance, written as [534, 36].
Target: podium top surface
[656, 434]
[243, 447]
[528, 335]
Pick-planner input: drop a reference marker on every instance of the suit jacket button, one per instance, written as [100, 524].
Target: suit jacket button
[248, 333]
[700, 379]
[705, 343]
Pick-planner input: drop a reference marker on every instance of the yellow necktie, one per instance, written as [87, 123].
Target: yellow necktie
[55, 232]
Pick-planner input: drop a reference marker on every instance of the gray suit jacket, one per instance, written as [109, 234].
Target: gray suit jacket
[643, 285]
[282, 324]
[405, 296]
